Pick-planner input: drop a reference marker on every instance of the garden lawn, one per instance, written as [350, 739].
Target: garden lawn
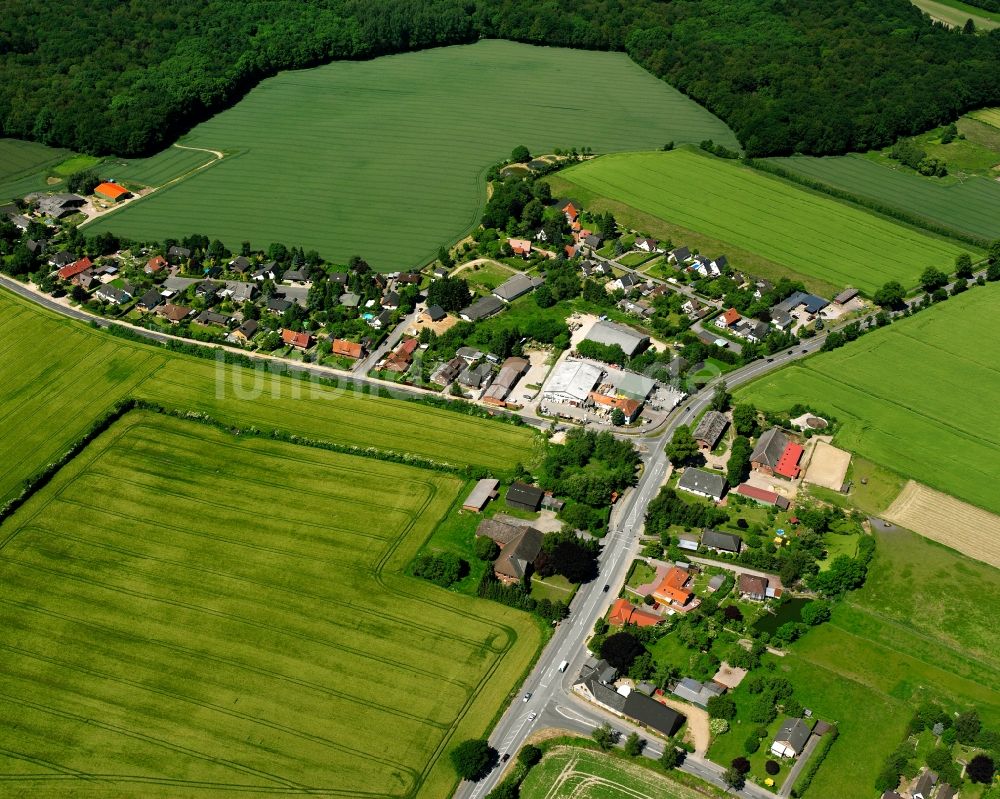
[971, 207]
[812, 236]
[917, 397]
[179, 621]
[52, 394]
[386, 158]
[569, 772]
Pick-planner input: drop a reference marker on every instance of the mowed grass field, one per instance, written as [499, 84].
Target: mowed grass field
[971, 206]
[920, 629]
[813, 236]
[386, 158]
[189, 613]
[569, 772]
[918, 396]
[24, 166]
[955, 13]
[991, 116]
[53, 393]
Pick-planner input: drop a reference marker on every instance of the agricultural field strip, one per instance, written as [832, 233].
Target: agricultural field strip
[370, 421]
[571, 773]
[188, 529]
[735, 184]
[972, 206]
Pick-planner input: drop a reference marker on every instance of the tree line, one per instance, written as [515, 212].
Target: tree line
[814, 76]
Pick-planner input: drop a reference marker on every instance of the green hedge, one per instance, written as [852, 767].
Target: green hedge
[805, 779]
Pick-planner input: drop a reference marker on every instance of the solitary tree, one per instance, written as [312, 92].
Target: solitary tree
[969, 26]
[473, 759]
[733, 778]
[529, 755]
[682, 448]
[605, 736]
[618, 417]
[634, 745]
[892, 295]
[670, 758]
[932, 279]
[520, 154]
[980, 769]
[963, 265]
[721, 397]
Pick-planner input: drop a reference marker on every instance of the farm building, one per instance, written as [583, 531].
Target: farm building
[517, 286]
[763, 496]
[630, 385]
[702, 483]
[629, 703]
[845, 296]
[716, 582]
[481, 309]
[687, 541]
[434, 313]
[775, 454]
[697, 693]
[710, 429]
[112, 191]
[571, 382]
[791, 738]
[485, 490]
[624, 612]
[510, 373]
[59, 205]
[610, 333]
[524, 496]
[519, 546]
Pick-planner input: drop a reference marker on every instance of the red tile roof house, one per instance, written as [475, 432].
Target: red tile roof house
[155, 264]
[624, 612]
[728, 319]
[349, 349]
[75, 268]
[399, 360]
[521, 247]
[571, 211]
[301, 341]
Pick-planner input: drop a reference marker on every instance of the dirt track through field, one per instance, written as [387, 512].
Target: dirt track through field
[949, 521]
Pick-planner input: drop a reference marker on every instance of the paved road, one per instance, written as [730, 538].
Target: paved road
[365, 364]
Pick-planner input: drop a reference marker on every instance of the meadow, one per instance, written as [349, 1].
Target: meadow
[25, 165]
[569, 772]
[52, 395]
[386, 158]
[826, 243]
[157, 169]
[971, 206]
[955, 13]
[186, 611]
[990, 116]
[917, 397]
[918, 630]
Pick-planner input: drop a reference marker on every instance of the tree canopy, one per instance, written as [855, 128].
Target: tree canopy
[792, 75]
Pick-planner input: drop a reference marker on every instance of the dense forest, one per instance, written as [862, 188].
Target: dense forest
[816, 76]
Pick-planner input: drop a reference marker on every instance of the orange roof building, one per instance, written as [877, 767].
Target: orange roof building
[729, 318]
[520, 247]
[349, 349]
[624, 612]
[571, 211]
[112, 191]
[75, 268]
[301, 341]
[672, 590]
[788, 463]
[155, 264]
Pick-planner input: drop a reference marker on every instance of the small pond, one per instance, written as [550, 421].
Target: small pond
[790, 611]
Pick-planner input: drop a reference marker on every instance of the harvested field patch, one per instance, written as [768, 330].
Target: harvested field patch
[949, 521]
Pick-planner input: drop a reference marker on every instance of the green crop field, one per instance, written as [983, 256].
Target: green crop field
[991, 116]
[189, 613]
[24, 166]
[971, 206]
[569, 772]
[824, 241]
[53, 393]
[919, 629]
[917, 396]
[955, 13]
[386, 158]
[157, 169]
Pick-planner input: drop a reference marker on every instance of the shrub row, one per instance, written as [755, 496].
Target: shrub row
[805, 779]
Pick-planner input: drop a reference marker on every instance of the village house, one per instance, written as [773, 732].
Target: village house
[594, 684]
[347, 349]
[155, 265]
[571, 211]
[401, 358]
[212, 318]
[176, 254]
[173, 313]
[149, 300]
[673, 590]
[728, 319]
[520, 247]
[791, 739]
[245, 332]
[721, 542]
[448, 371]
[77, 267]
[679, 255]
[697, 693]
[762, 496]
[113, 295]
[624, 612]
[702, 483]
[510, 373]
[476, 377]
[299, 341]
[752, 587]
[517, 286]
